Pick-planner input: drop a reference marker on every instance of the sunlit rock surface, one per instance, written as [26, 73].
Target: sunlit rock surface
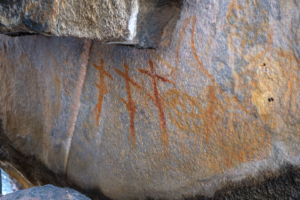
[8, 183]
[218, 102]
[48, 192]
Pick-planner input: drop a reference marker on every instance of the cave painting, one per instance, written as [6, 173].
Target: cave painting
[131, 107]
[216, 125]
[223, 127]
[101, 87]
[158, 100]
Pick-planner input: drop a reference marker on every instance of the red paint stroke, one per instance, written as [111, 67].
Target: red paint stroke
[158, 100]
[131, 107]
[102, 87]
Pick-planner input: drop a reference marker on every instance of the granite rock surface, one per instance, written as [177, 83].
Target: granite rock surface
[48, 192]
[217, 103]
[132, 22]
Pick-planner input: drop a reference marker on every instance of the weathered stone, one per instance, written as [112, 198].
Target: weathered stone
[218, 102]
[23, 16]
[52, 88]
[131, 22]
[48, 192]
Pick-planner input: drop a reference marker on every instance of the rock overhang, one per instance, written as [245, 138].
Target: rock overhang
[139, 23]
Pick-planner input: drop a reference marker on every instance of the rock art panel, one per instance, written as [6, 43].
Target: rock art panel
[215, 104]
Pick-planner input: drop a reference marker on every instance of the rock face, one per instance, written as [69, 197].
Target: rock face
[133, 22]
[218, 102]
[48, 192]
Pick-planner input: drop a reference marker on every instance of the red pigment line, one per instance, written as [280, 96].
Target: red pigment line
[158, 101]
[130, 105]
[102, 87]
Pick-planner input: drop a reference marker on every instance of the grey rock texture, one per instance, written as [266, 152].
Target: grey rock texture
[130, 22]
[105, 20]
[217, 102]
[48, 192]
[26, 16]
[53, 95]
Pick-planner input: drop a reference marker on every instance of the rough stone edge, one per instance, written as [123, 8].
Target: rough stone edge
[77, 99]
[140, 34]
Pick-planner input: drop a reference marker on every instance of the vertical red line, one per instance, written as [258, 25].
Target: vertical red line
[158, 103]
[101, 90]
[102, 87]
[131, 108]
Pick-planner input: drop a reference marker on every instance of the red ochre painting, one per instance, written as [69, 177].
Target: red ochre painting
[217, 123]
[101, 86]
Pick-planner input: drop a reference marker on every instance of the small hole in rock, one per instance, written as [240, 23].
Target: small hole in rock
[264, 64]
[270, 99]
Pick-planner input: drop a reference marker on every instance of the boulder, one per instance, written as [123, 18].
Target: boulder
[218, 103]
[132, 22]
[48, 192]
